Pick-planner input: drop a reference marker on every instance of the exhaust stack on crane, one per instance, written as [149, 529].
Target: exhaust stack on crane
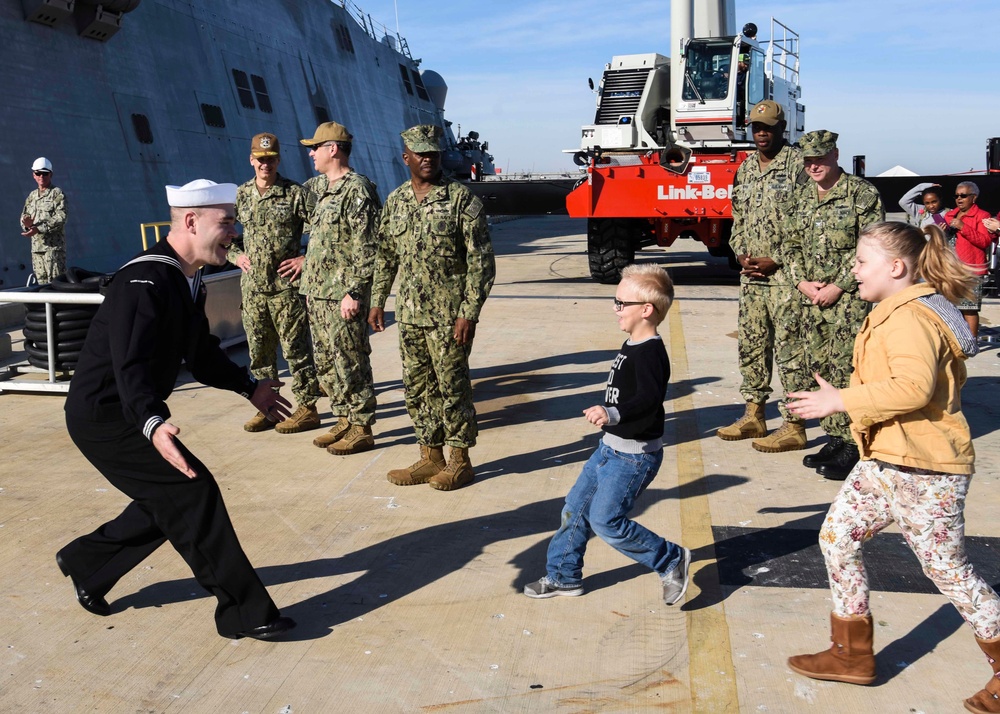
[669, 134]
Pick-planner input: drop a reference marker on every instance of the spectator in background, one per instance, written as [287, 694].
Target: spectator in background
[44, 222]
[924, 204]
[971, 239]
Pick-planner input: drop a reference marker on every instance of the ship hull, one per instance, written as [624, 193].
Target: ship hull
[160, 103]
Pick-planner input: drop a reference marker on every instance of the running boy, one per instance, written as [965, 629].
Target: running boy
[629, 455]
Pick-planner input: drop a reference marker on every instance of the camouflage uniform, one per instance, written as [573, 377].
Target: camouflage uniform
[317, 186]
[340, 258]
[442, 250]
[820, 246]
[48, 247]
[273, 310]
[767, 305]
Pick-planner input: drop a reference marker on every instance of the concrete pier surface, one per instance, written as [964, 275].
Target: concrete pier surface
[409, 599]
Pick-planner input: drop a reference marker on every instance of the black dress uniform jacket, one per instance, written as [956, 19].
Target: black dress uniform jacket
[147, 326]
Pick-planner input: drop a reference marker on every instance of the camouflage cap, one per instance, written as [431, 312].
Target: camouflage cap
[766, 112]
[818, 143]
[265, 145]
[423, 138]
[328, 131]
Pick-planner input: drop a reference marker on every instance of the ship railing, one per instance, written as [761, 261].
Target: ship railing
[155, 227]
[52, 385]
[376, 30]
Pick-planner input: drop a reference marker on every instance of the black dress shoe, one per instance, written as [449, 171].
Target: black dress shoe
[95, 604]
[824, 455]
[268, 631]
[842, 464]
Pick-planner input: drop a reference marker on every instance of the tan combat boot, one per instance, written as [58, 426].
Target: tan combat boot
[850, 658]
[791, 436]
[430, 464]
[456, 474]
[354, 441]
[335, 434]
[987, 699]
[304, 419]
[259, 423]
[749, 426]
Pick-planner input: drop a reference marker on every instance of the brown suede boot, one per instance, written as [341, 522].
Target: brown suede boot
[850, 658]
[749, 426]
[987, 699]
[431, 462]
[456, 474]
[335, 434]
[790, 436]
[304, 419]
[259, 423]
[354, 441]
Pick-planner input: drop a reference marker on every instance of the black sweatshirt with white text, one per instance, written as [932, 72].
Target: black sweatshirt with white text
[636, 388]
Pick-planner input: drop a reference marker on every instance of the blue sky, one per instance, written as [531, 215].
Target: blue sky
[911, 82]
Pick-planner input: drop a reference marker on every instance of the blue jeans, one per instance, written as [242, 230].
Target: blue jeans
[600, 502]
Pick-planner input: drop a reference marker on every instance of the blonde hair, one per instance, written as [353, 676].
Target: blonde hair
[652, 285]
[927, 253]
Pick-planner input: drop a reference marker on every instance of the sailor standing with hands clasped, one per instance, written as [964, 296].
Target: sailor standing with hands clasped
[44, 222]
[433, 233]
[152, 319]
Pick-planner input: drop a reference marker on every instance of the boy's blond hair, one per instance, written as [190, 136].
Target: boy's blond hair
[652, 285]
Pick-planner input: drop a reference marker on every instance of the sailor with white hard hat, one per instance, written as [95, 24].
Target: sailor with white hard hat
[43, 220]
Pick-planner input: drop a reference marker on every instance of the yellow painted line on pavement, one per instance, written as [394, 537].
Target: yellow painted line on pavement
[713, 675]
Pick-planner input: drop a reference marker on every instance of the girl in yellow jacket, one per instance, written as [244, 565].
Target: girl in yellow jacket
[916, 450]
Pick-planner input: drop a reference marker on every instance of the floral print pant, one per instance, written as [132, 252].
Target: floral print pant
[929, 508]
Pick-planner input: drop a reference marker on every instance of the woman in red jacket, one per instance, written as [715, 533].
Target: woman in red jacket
[971, 241]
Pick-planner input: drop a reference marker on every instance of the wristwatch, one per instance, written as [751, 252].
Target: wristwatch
[354, 294]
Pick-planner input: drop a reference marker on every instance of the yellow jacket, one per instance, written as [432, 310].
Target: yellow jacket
[905, 398]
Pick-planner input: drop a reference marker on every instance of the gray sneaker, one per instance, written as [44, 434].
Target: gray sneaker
[675, 583]
[546, 588]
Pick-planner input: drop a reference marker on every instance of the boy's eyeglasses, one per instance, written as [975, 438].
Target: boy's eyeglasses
[622, 304]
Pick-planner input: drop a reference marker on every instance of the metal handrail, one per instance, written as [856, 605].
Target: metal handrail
[787, 46]
[49, 299]
[156, 226]
[376, 30]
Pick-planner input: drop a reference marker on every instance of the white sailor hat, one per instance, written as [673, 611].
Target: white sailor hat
[42, 164]
[201, 192]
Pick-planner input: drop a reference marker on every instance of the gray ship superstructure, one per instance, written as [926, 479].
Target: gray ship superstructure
[131, 95]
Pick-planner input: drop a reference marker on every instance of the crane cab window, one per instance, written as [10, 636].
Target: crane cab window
[756, 81]
[707, 69]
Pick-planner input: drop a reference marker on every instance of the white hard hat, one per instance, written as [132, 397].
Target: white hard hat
[41, 164]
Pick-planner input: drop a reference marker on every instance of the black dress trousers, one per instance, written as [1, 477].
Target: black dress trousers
[166, 506]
